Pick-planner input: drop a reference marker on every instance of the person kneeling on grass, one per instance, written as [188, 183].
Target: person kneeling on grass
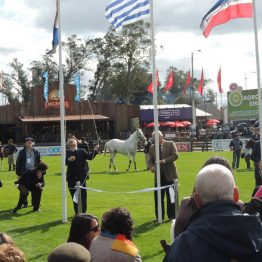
[31, 180]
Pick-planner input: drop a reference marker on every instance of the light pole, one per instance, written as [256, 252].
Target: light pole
[193, 94]
[247, 78]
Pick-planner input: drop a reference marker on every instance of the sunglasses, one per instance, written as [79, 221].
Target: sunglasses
[95, 229]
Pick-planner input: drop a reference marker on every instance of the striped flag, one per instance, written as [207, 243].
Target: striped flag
[123, 12]
[77, 85]
[225, 10]
[219, 81]
[187, 83]
[170, 81]
[55, 41]
[200, 87]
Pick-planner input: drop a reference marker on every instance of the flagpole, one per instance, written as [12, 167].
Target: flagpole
[159, 214]
[62, 120]
[258, 74]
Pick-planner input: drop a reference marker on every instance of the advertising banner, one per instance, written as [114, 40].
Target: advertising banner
[223, 144]
[46, 150]
[242, 104]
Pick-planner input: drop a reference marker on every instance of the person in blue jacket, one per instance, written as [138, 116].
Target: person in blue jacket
[77, 169]
[218, 231]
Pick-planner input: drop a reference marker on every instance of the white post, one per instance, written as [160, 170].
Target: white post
[79, 200]
[62, 121]
[258, 74]
[159, 219]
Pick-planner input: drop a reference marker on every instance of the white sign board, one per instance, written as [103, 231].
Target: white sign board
[223, 144]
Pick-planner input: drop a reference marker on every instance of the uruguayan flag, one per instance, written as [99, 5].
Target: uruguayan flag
[123, 12]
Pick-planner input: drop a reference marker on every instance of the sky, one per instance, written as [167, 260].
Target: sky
[26, 27]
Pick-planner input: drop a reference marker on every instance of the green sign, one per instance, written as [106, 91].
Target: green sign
[242, 104]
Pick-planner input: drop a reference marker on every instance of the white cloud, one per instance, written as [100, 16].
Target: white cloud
[27, 33]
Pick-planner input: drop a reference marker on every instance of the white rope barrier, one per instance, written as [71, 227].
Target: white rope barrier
[172, 188]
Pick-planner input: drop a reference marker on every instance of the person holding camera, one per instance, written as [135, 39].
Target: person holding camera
[32, 180]
[77, 169]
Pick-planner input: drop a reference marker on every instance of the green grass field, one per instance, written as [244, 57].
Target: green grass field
[39, 232]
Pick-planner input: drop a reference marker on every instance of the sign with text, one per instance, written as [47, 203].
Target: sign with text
[223, 144]
[54, 101]
[243, 104]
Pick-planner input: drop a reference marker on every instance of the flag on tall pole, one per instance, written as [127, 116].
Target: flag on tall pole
[77, 85]
[170, 81]
[55, 40]
[200, 87]
[187, 83]
[123, 12]
[45, 76]
[225, 10]
[150, 88]
[219, 83]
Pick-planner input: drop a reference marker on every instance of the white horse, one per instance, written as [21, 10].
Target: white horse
[127, 147]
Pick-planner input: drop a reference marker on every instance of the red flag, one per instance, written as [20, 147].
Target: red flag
[201, 84]
[150, 87]
[170, 81]
[187, 83]
[219, 81]
[223, 11]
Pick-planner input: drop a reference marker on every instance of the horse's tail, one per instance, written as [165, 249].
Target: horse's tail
[105, 148]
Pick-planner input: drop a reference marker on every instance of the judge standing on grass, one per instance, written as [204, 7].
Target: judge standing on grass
[167, 155]
[77, 169]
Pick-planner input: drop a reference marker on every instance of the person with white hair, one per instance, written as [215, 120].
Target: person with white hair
[168, 172]
[218, 231]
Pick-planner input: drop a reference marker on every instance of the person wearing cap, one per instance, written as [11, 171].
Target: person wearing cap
[69, 252]
[32, 180]
[11, 149]
[236, 146]
[167, 155]
[28, 158]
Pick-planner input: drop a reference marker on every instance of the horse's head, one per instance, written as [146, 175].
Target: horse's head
[140, 135]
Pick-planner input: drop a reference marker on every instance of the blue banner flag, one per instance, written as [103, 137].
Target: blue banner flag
[45, 75]
[55, 41]
[77, 85]
[123, 12]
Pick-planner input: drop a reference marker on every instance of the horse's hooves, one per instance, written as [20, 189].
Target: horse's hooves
[136, 169]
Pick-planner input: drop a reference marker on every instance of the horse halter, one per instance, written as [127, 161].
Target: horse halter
[140, 135]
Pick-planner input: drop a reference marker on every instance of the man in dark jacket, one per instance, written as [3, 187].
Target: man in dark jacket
[218, 231]
[28, 158]
[236, 146]
[256, 157]
[32, 180]
[77, 169]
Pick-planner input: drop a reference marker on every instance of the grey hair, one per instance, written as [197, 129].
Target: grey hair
[215, 182]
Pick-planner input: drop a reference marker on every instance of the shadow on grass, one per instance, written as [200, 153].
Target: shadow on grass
[42, 227]
[148, 226]
[117, 172]
[56, 174]
[244, 170]
[6, 214]
[149, 257]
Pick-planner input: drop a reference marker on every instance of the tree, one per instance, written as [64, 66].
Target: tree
[17, 84]
[122, 59]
